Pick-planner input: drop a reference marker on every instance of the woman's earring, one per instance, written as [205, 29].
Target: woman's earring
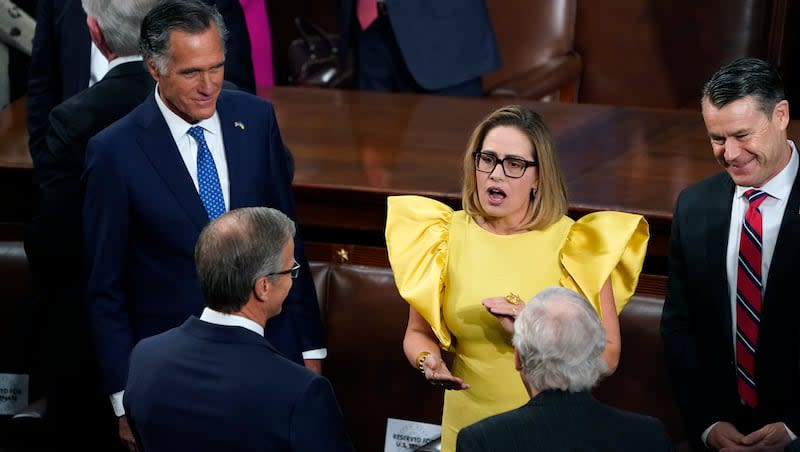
[533, 193]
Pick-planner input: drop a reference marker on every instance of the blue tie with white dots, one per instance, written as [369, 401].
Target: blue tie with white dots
[207, 178]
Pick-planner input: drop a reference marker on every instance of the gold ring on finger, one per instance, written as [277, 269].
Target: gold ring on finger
[513, 298]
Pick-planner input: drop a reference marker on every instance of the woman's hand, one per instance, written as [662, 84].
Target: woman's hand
[506, 309]
[437, 373]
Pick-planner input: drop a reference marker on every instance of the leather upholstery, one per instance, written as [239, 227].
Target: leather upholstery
[366, 320]
[536, 41]
[640, 383]
[655, 53]
[15, 308]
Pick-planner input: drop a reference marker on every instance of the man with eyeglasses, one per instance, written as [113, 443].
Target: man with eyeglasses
[215, 383]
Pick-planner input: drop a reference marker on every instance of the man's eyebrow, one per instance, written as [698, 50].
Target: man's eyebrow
[190, 70]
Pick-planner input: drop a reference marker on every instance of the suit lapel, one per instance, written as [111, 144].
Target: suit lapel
[718, 218]
[235, 130]
[156, 142]
[779, 281]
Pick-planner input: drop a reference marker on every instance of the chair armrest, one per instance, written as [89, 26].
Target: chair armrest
[557, 79]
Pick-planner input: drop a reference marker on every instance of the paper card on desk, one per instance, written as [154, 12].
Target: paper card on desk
[13, 393]
[405, 436]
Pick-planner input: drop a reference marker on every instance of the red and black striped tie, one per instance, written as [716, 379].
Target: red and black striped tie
[749, 291]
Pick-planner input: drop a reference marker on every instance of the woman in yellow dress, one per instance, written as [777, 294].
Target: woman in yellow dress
[465, 273]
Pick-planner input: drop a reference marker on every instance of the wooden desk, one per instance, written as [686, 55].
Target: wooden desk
[16, 192]
[14, 136]
[352, 149]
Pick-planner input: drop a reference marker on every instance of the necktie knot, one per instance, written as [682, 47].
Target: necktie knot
[755, 197]
[196, 132]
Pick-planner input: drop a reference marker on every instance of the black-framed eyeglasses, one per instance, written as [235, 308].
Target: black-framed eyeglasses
[293, 272]
[513, 167]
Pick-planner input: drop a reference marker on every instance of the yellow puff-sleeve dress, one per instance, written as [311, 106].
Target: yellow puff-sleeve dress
[444, 264]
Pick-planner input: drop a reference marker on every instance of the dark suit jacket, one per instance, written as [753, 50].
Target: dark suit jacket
[56, 231]
[696, 323]
[61, 60]
[562, 421]
[207, 387]
[443, 42]
[53, 237]
[142, 216]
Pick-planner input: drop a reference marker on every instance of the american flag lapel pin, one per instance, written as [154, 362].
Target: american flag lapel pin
[238, 125]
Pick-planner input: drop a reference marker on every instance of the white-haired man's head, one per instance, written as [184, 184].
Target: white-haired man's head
[559, 342]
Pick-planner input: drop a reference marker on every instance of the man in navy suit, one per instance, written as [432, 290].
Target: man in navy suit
[439, 47]
[154, 179]
[558, 343]
[731, 320]
[215, 383]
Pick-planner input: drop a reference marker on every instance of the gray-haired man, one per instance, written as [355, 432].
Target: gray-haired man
[558, 342]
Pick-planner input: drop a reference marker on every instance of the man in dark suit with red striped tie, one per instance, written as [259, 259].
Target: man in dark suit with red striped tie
[731, 320]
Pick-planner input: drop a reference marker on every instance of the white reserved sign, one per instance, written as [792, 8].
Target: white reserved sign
[404, 436]
[13, 393]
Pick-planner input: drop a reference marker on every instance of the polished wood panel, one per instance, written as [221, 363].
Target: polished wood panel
[352, 149]
[14, 136]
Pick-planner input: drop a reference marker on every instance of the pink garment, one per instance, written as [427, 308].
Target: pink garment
[367, 12]
[255, 14]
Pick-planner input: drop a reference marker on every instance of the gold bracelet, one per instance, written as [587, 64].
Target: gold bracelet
[421, 357]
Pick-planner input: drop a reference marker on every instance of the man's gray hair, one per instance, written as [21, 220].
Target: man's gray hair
[560, 341]
[189, 16]
[235, 250]
[120, 22]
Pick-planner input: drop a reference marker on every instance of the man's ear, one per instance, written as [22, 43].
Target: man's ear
[781, 114]
[151, 68]
[517, 361]
[98, 38]
[261, 288]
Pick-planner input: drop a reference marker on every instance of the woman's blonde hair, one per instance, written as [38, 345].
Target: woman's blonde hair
[549, 203]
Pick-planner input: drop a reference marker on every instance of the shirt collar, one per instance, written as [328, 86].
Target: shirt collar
[779, 186]
[219, 318]
[123, 59]
[178, 127]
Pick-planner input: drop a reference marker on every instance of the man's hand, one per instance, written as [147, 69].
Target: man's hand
[771, 437]
[314, 365]
[723, 435]
[126, 435]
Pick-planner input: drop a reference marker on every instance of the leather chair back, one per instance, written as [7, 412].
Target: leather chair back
[15, 303]
[532, 34]
[641, 383]
[655, 53]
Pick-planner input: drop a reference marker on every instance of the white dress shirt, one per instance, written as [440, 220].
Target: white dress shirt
[98, 65]
[220, 318]
[187, 146]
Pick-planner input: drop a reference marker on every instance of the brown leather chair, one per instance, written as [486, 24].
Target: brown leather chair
[536, 40]
[15, 300]
[655, 53]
